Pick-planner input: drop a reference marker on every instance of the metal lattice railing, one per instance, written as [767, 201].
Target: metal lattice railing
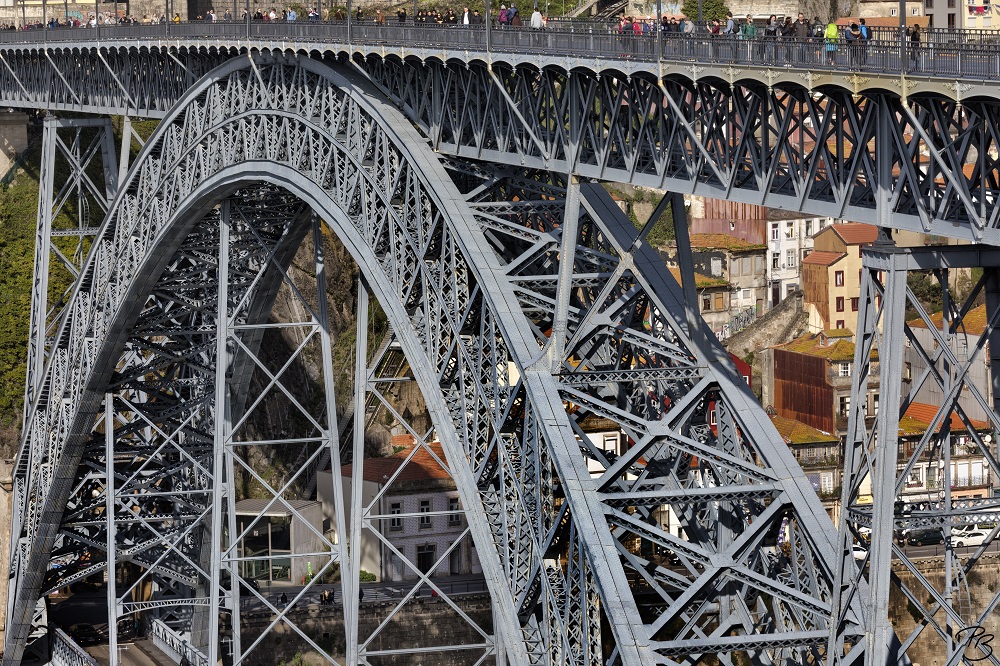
[940, 54]
[67, 653]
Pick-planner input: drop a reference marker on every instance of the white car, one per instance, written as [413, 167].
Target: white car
[859, 552]
[969, 538]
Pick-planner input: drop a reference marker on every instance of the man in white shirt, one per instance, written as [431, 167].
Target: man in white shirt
[536, 20]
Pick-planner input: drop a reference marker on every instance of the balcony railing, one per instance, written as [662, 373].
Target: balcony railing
[964, 54]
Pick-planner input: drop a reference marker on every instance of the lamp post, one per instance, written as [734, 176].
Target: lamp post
[486, 18]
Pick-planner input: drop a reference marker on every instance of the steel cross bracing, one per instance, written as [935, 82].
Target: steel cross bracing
[784, 139]
[946, 354]
[512, 354]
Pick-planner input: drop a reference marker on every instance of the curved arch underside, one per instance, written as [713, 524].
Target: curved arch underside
[466, 263]
[921, 161]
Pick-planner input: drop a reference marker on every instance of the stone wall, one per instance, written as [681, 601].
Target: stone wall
[423, 622]
[778, 325]
[928, 649]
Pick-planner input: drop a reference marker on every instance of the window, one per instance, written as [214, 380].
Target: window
[840, 303]
[455, 517]
[840, 324]
[854, 304]
[734, 267]
[826, 482]
[845, 369]
[746, 295]
[425, 508]
[789, 230]
[774, 231]
[845, 405]
[838, 278]
[758, 264]
[951, 17]
[745, 266]
[395, 523]
[928, 4]
[712, 418]
[455, 561]
[719, 305]
[907, 372]
[914, 480]
[611, 443]
[775, 260]
[706, 303]
[716, 266]
[875, 404]
[426, 556]
[790, 258]
[893, 12]
[809, 227]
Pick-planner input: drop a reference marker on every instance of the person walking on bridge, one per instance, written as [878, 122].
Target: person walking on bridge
[831, 36]
[748, 33]
[802, 31]
[536, 20]
[915, 44]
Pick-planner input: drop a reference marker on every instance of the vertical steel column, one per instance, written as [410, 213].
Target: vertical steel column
[685, 262]
[331, 437]
[109, 515]
[40, 286]
[350, 577]
[222, 452]
[567, 262]
[878, 630]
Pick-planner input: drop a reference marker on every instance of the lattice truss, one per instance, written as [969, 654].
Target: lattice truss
[825, 152]
[869, 158]
[514, 349]
[944, 353]
[695, 445]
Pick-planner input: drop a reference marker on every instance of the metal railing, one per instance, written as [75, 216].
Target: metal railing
[948, 53]
[67, 653]
[172, 644]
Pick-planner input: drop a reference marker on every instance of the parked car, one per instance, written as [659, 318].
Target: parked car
[85, 635]
[859, 552]
[969, 538]
[925, 537]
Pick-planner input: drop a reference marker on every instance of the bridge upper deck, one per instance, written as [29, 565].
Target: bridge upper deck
[951, 64]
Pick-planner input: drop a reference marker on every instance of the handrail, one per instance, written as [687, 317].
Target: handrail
[940, 54]
[65, 652]
[172, 644]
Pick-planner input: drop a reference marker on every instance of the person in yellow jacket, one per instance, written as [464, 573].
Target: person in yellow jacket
[177, 18]
[831, 36]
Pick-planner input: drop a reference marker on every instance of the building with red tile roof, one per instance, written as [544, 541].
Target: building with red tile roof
[831, 275]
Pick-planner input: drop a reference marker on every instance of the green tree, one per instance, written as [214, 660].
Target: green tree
[711, 9]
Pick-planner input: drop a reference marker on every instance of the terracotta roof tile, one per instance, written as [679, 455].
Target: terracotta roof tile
[724, 242]
[422, 467]
[701, 281]
[796, 432]
[973, 324]
[856, 233]
[918, 416]
[823, 258]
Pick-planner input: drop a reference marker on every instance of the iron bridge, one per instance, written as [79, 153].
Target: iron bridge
[458, 169]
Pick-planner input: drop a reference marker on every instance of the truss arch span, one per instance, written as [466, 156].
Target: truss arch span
[295, 123]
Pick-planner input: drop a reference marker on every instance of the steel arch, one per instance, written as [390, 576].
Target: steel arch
[497, 391]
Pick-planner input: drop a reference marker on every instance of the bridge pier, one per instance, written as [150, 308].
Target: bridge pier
[949, 360]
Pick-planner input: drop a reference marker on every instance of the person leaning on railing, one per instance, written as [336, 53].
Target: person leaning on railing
[831, 36]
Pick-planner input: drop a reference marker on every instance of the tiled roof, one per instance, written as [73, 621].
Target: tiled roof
[701, 281]
[823, 258]
[724, 242]
[422, 467]
[974, 322]
[796, 432]
[918, 416]
[856, 233]
[812, 345]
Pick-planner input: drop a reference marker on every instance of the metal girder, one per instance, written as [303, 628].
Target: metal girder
[756, 140]
[934, 357]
